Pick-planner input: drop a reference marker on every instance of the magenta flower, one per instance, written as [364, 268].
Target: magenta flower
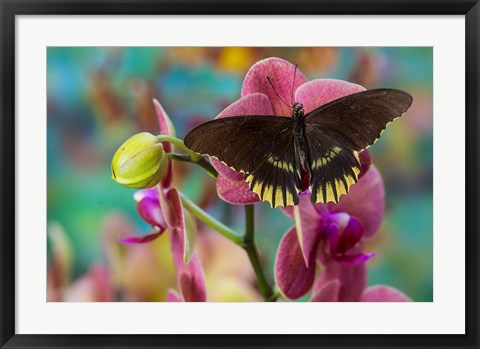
[162, 208]
[148, 207]
[259, 98]
[332, 235]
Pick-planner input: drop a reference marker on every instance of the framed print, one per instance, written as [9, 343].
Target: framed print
[196, 174]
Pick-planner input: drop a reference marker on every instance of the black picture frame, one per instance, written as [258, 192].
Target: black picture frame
[11, 8]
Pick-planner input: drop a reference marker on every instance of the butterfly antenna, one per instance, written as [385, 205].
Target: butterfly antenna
[293, 86]
[270, 81]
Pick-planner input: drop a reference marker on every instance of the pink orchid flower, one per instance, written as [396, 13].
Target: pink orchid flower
[333, 235]
[162, 208]
[259, 98]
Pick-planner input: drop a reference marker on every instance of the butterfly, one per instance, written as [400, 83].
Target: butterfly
[276, 154]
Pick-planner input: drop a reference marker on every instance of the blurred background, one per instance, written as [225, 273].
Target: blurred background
[98, 97]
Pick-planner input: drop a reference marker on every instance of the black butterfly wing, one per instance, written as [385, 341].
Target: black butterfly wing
[358, 120]
[261, 146]
[333, 166]
[337, 130]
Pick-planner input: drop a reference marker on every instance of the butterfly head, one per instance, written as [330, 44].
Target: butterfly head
[297, 110]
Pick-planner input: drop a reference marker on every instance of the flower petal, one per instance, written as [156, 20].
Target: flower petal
[173, 296]
[380, 293]
[166, 128]
[190, 276]
[354, 259]
[171, 207]
[175, 218]
[307, 222]
[282, 75]
[146, 193]
[226, 171]
[292, 277]
[164, 122]
[351, 234]
[365, 161]
[251, 104]
[313, 94]
[149, 209]
[353, 280]
[333, 236]
[235, 191]
[140, 239]
[366, 201]
[328, 293]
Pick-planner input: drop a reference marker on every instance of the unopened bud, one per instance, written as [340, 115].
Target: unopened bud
[140, 162]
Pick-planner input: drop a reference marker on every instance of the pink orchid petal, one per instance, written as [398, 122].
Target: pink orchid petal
[328, 293]
[333, 236]
[365, 161]
[168, 176]
[192, 290]
[146, 193]
[307, 223]
[173, 296]
[351, 234]
[190, 276]
[175, 219]
[354, 259]
[163, 119]
[366, 201]
[226, 171]
[251, 104]
[150, 211]
[353, 279]
[254, 104]
[165, 129]
[171, 207]
[281, 74]
[313, 94]
[235, 191]
[292, 277]
[380, 293]
[130, 240]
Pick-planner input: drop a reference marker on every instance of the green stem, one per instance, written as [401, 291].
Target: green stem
[203, 163]
[210, 221]
[247, 241]
[179, 143]
[249, 246]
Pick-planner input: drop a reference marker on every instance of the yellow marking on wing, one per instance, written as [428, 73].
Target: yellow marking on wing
[325, 160]
[329, 191]
[355, 153]
[280, 164]
[269, 192]
[339, 186]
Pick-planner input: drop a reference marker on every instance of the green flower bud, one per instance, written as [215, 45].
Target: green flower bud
[140, 162]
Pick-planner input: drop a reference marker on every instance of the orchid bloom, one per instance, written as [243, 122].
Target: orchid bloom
[333, 235]
[259, 98]
[161, 207]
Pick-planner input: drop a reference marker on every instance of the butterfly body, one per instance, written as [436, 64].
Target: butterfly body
[277, 153]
